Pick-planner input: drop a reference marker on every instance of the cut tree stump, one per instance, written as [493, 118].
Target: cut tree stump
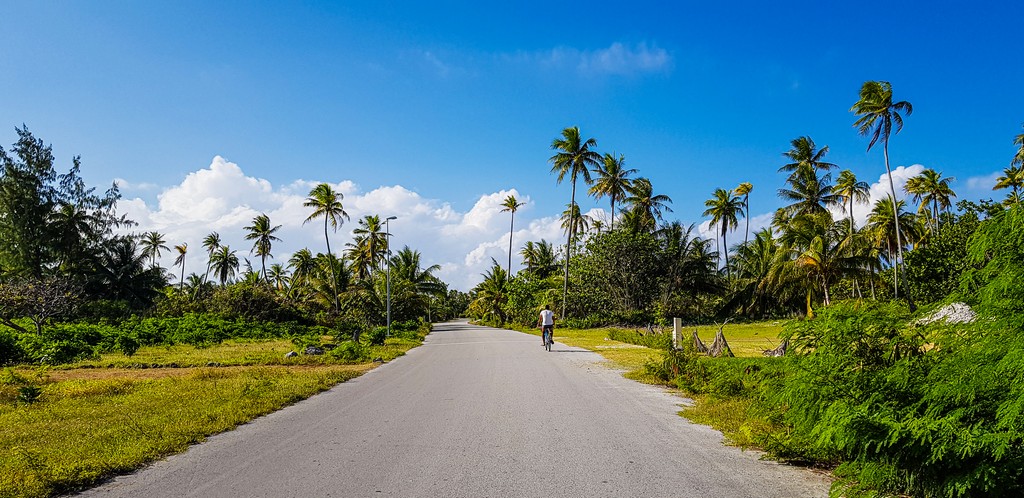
[779, 351]
[720, 347]
[697, 344]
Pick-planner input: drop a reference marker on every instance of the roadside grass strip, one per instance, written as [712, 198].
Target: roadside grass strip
[91, 423]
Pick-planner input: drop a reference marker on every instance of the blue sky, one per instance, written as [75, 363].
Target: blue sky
[436, 110]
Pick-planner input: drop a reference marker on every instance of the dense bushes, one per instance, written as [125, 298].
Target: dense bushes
[651, 340]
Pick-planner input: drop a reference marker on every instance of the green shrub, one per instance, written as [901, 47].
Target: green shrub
[349, 352]
[655, 341]
[375, 336]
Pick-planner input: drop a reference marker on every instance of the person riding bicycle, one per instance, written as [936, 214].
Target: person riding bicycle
[546, 322]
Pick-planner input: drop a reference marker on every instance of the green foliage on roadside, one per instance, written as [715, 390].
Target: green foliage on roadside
[650, 340]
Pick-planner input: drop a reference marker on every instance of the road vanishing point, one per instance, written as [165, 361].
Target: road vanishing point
[474, 412]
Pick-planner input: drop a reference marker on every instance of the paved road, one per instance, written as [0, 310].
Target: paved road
[474, 412]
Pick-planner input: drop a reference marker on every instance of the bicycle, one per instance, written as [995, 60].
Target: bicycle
[548, 341]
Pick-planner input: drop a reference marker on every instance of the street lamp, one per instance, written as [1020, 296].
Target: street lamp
[387, 239]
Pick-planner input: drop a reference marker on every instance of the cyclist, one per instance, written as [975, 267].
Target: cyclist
[546, 322]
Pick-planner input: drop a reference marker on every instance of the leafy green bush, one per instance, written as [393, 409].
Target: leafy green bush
[375, 336]
[349, 352]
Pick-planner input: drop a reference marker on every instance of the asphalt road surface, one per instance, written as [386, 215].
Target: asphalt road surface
[474, 412]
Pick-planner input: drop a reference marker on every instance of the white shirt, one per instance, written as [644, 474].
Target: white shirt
[547, 317]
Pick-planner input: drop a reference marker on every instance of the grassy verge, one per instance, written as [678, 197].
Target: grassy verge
[91, 422]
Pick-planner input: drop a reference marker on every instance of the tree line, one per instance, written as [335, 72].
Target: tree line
[636, 266]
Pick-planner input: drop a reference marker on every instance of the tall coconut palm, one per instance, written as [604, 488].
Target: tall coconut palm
[510, 205]
[180, 261]
[211, 243]
[262, 233]
[611, 180]
[224, 264]
[723, 207]
[574, 157]
[326, 203]
[152, 243]
[932, 191]
[804, 153]
[645, 205]
[279, 276]
[745, 189]
[878, 114]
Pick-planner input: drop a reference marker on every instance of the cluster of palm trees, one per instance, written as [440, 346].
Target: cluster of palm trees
[812, 244]
[323, 278]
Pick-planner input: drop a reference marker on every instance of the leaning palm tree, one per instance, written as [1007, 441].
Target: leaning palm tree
[211, 243]
[723, 207]
[645, 205]
[574, 157]
[152, 243]
[804, 153]
[180, 260]
[612, 180]
[263, 234]
[510, 205]
[745, 189]
[932, 191]
[326, 203]
[224, 264]
[877, 116]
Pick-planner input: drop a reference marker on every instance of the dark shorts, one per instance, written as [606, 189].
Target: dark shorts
[549, 329]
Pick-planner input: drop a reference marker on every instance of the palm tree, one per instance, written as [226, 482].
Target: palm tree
[326, 203]
[303, 266]
[370, 245]
[573, 219]
[1018, 158]
[492, 292]
[510, 205]
[405, 266]
[574, 157]
[224, 263]
[1013, 177]
[930, 188]
[211, 243]
[279, 276]
[849, 190]
[877, 116]
[808, 192]
[612, 180]
[723, 207]
[152, 243]
[539, 258]
[645, 205]
[263, 234]
[890, 228]
[180, 260]
[805, 154]
[744, 189]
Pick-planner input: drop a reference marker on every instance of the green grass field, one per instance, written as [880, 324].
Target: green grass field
[92, 421]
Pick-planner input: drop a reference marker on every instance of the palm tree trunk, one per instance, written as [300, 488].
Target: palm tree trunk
[612, 229]
[725, 249]
[746, 203]
[330, 262]
[511, 228]
[896, 215]
[568, 247]
[181, 283]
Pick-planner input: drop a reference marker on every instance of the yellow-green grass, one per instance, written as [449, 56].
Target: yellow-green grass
[92, 423]
[621, 355]
[745, 339]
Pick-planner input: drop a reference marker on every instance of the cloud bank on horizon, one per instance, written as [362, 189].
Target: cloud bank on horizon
[222, 198]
